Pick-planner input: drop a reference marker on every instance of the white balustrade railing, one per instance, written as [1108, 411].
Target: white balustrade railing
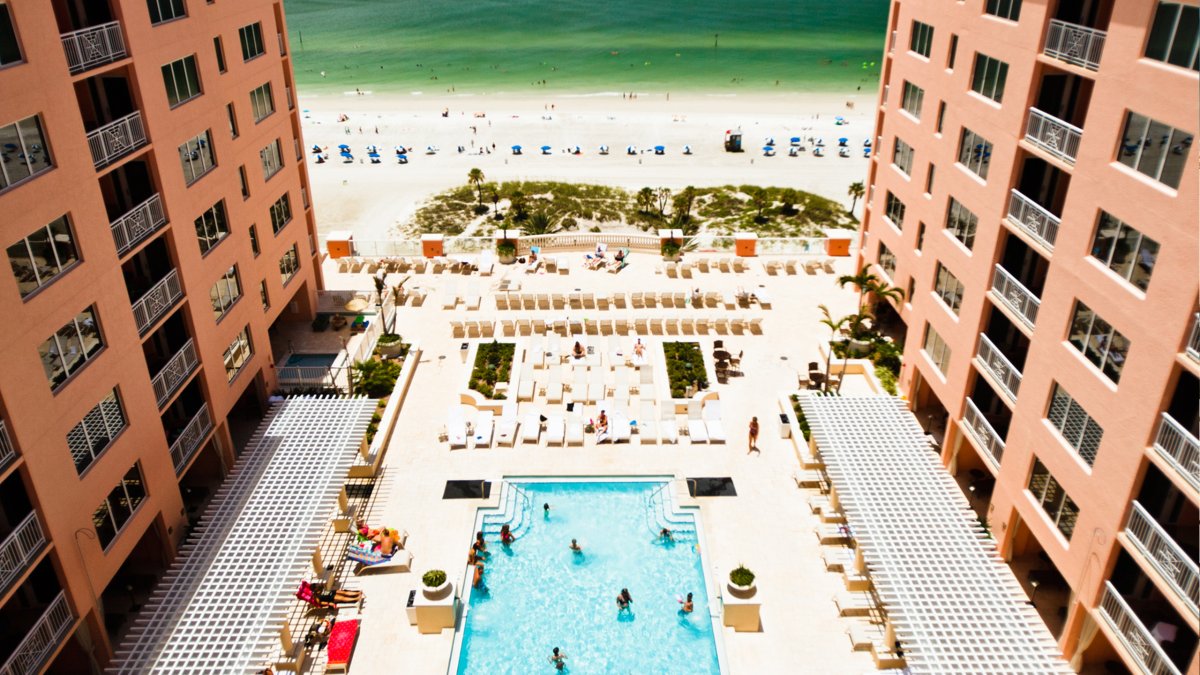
[1015, 296]
[999, 367]
[7, 452]
[791, 246]
[138, 223]
[51, 628]
[1075, 44]
[587, 241]
[984, 434]
[1133, 635]
[1193, 345]
[1033, 219]
[175, 372]
[116, 139]
[20, 548]
[1169, 560]
[190, 438]
[1053, 135]
[1179, 448]
[92, 46]
[157, 301]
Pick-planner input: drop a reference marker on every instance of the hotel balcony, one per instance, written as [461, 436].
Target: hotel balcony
[1053, 135]
[1179, 448]
[152, 284]
[19, 549]
[282, 48]
[132, 202]
[116, 139]
[157, 301]
[1193, 345]
[983, 433]
[7, 453]
[32, 653]
[993, 361]
[1013, 295]
[138, 223]
[175, 372]
[110, 114]
[1074, 44]
[1175, 566]
[1034, 220]
[93, 46]
[191, 438]
[1132, 634]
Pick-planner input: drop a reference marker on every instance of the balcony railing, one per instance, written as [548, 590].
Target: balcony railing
[291, 101]
[1169, 560]
[1179, 448]
[175, 372]
[19, 549]
[983, 433]
[93, 46]
[140, 222]
[33, 652]
[1193, 345]
[190, 438]
[1075, 44]
[7, 452]
[1015, 296]
[999, 367]
[282, 48]
[892, 42]
[1133, 635]
[1053, 135]
[1033, 219]
[116, 139]
[156, 301]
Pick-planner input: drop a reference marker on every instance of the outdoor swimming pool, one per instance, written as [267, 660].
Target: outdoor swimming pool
[540, 595]
[311, 360]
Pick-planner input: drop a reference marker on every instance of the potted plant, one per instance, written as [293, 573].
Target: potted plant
[436, 584]
[389, 345]
[741, 582]
[506, 251]
[670, 249]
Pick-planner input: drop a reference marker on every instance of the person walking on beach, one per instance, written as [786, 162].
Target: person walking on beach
[753, 435]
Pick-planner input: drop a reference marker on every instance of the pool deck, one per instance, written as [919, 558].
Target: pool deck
[768, 526]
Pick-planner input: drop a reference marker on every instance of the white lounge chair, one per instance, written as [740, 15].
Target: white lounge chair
[595, 386]
[695, 423]
[763, 298]
[483, 429]
[501, 301]
[509, 327]
[472, 299]
[525, 383]
[668, 431]
[647, 425]
[401, 561]
[456, 427]
[450, 296]
[543, 301]
[531, 428]
[574, 435]
[506, 428]
[712, 422]
[555, 430]
[755, 325]
[618, 426]
[554, 387]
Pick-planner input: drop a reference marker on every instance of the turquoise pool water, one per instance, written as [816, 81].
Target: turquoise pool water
[540, 595]
[311, 360]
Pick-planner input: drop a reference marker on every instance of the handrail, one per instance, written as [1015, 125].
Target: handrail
[19, 548]
[984, 433]
[1165, 555]
[155, 302]
[1193, 345]
[1179, 448]
[93, 46]
[138, 223]
[1033, 219]
[1133, 634]
[7, 452]
[176, 370]
[1074, 44]
[51, 627]
[1015, 296]
[1053, 135]
[189, 440]
[996, 363]
[116, 139]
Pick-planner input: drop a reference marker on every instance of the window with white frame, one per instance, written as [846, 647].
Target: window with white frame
[912, 99]
[238, 354]
[182, 80]
[96, 431]
[1175, 35]
[961, 223]
[1124, 250]
[1005, 9]
[902, 156]
[894, 210]
[921, 40]
[71, 347]
[44, 254]
[119, 506]
[947, 287]
[272, 159]
[975, 153]
[212, 227]
[936, 349]
[262, 103]
[251, 39]
[1077, 428]
[165, 10]
[1099, 342]
[23, 151]
[225, 292]
[989, 77]
[1154, 149]
[289, 264]
[1053, 499]
[196, 156]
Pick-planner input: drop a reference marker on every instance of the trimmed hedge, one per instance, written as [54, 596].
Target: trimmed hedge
[685, 364]
[493, 363]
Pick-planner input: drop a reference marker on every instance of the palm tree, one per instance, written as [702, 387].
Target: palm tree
[645, 200]
[834, 326]
[864, 281]
[856, 191]
[760, 201]
[475, 177]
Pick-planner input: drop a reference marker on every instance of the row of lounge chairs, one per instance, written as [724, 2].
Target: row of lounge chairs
[484, 263]
[583, 384]
[643, 326]
[792, 266]
[635, 300]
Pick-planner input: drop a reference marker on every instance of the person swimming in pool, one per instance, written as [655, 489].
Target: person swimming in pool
[687, 605]
[624, 600]
[575, 547]
[558, 658]
[546, 510]
[506, 535]
[665, 535]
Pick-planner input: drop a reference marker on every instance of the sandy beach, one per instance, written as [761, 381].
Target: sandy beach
[376, 201]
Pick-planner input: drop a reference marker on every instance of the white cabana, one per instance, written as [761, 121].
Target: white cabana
[952, 602]
[221, 606]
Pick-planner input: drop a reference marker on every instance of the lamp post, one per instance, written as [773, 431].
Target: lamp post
[1033, 596]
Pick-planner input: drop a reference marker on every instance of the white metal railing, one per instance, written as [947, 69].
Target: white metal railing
[41, 640]
[1169, 560]
[588, 240]
[995, 363]
[1193, 345]
[156, 301]
[175, 372]
[282, 48]
[190, 438]
[116, 139]
[7, 452]
[892, 42]
[983, 433]
[1033, 219]
[92, 46]
[1053, 135]
[886, 89]
[138, 223]
[20, 548]
[1133, 635]
[304, 196]
[1179, 448]
[792, 245]
[1075, 44]
[291, 101]
[1015, 296]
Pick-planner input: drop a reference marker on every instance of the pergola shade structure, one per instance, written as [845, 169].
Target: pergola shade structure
[221, 606]
[952, 602]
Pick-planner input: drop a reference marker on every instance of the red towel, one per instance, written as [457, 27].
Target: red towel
[341, 641]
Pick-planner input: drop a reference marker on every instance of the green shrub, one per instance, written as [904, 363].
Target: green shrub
[685, 364]
[887, 378]
[493, 363]
[741, 576]
[481, 209]
[375, 379]
[433, 578]
[388, 339]
[801, 420]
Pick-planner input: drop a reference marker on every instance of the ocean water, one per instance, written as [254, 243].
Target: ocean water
[586, 46]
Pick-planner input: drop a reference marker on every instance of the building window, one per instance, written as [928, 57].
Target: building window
[251, 38]
[96, 431]
[1175, 36]
[989, 78]
[238, 354]
[1155, 149]
[71, 347]
[953, 53]
[196, 156]
[912, 286]
[1102, 344]
[912, 98]
[219, 48]
[23, 151]
[947, 287]
[1005, 9]
[289, 264]
[262, 293]
[225, 292]
[929, 179]
[887, 260]
[1054, 500]
[281, 213]
[182, 80]
[10, 49]
[262, 104]
[936, 349]
[165, 10]
[941, 117]
[212, 227]
[233, 127]
[119, 506]
[42, 256]
[920, 239]
[961, 223]
[254, 241]
[975, 153]
[1124, 250]
[894, 210]
[272, 159]
[921, 39]
[1077, 428]
[902, 156]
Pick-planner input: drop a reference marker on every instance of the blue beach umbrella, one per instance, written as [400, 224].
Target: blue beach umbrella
[343, 146]
[659, 148]
[346, 152]
[843, 141]
[545, 148]
[795, 139]
[517, 148]
[768, 148]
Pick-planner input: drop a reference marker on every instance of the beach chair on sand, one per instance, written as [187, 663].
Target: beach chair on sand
[712, 422]
[697, 432]
[668, 431]
[555, 430]
[574, 435]
[531, 428]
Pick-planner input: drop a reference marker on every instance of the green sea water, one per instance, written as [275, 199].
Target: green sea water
[586, 46]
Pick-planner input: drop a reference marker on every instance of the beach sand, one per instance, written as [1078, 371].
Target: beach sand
[375, 202]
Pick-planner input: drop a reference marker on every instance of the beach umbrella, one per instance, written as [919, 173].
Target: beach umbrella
[343, 146]
[516, 148]
[346, 152]
[867, 143]
[660, 149]
[316, 148]
[687, 149]
[843, 141]
[795, 139]
[373, 155]
[604, 149]
[768, 148]
[545, 149]
[632, 150]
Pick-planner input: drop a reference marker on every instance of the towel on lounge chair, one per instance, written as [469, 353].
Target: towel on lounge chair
[367, 554]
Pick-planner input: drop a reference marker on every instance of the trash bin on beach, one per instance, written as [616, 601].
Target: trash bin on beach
[785, 426]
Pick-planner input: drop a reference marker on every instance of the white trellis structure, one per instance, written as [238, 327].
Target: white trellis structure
[222, 605]
[950, 599]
